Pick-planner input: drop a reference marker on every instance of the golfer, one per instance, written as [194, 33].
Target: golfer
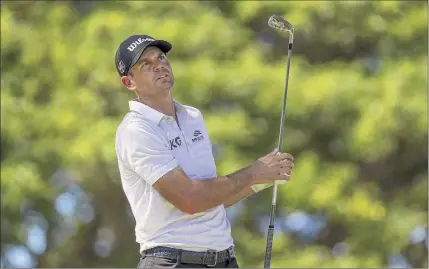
[168, 171]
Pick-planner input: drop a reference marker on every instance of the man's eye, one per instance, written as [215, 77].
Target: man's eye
[162, 56]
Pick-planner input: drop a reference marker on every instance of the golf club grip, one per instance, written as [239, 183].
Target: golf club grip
[270, 238]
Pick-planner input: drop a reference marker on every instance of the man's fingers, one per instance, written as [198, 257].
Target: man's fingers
[280, 156]
[283, 156]
[286, 163]
[284, 175]
[281, 163]
[286, 169]
[288, 156]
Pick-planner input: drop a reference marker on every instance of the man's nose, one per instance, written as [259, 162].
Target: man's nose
[158, 66]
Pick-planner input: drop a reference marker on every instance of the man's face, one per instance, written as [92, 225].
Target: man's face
[151, 74]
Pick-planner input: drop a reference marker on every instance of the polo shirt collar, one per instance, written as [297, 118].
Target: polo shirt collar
[152, 114]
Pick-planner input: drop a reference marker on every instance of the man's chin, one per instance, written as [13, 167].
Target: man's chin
[165, 85]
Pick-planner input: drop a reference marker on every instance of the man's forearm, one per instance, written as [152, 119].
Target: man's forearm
[243, 194]
[214, 192]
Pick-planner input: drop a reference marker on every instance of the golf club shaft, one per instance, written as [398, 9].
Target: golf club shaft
[270, 235]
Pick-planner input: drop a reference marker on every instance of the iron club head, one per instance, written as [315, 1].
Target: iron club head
[279, 23]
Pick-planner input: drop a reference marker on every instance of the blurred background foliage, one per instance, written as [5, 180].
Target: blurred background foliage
[356, 124]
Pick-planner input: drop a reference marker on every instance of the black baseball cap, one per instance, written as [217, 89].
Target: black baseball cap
[131, 49]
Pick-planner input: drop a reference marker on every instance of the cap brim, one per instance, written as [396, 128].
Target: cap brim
[161, 44]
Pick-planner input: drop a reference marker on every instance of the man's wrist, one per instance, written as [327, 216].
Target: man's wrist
[244, 176]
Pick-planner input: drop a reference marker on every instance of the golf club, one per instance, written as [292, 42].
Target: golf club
[279, 23]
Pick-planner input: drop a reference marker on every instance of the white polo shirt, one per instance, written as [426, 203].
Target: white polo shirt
[148, 145]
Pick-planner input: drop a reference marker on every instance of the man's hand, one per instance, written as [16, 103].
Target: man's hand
[264, 172]
[271, 167]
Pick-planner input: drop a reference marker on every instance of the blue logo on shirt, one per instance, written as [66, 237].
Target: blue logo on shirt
[197, 136]
[174, 143]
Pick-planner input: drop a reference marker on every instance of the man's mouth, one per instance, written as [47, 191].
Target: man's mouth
[163, 76]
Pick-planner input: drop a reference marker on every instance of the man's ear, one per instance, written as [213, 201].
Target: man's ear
[128, 83]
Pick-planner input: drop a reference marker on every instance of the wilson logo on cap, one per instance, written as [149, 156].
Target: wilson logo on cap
[138, 42]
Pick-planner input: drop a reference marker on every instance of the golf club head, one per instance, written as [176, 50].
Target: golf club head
[277, 22]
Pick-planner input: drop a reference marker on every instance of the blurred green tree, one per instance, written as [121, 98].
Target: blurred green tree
[356, 124]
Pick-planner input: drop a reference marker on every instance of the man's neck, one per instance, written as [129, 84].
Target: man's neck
[163, 105]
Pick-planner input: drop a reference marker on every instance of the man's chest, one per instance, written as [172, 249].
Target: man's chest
[190, 144]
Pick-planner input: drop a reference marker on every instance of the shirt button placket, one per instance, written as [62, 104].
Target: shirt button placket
[171, 120]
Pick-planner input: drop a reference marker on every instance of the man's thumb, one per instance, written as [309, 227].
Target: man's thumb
[275, 151]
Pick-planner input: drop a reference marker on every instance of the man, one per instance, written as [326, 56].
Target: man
[168, 170]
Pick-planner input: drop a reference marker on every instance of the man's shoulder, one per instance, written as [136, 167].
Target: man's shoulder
[193, 112]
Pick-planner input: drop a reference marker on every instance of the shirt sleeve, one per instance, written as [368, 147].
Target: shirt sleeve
[145, 152]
